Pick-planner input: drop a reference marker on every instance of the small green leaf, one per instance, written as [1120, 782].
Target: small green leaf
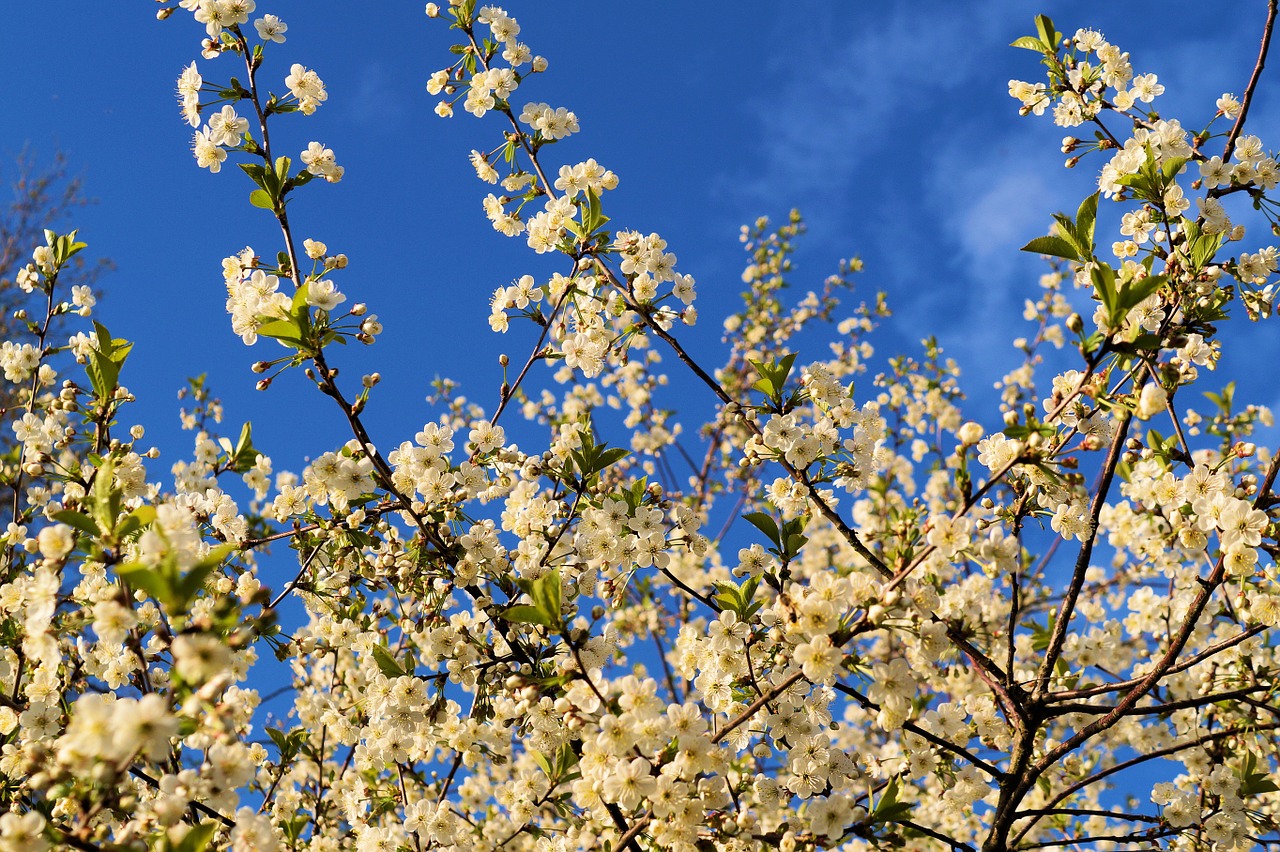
[81, 522]
[198, 838]
[1136, 291]
[140, 517]
[765, 524]
[386, 663]
[149, 579]
[105, 362]
[1054, 246]
[1169, 169]
[261, 198]
[1048, 35]
[245, 455]
[524, 614]
[793, 545]
[1086, 216]
[1029, 43]
[545, 592]
[257, 173]
[285, 331]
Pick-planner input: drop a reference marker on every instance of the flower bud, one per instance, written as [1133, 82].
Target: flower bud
[970, 433]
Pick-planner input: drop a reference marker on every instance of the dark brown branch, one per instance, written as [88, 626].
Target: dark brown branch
[1190, 662]
[198, 806]
[945, 745]
[1067, 609]
[1168, 707]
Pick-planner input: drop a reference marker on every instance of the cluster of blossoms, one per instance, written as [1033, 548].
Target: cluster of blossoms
[863, 621]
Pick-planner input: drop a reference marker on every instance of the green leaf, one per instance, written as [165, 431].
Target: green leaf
[765, 524]
[140, 517]
[1054, 246]
[261, 198]
[149, 579]
[1134, 292]
[524, 614]
[285, 331]
[106, 500]
[286, 743]
[545, 592]
[1086, 216]
[592, 217]
[198, 838]
[186, 587]
[793, 544]
[1104, 286]
[773, 376]
[739, 599]
[258, 174]
[1201, 248]
[245, 455]
[81, 522]
[1029, 43]
[386, 663]
[1169, 169]
[1048, 34]
[105, 362]
[612, 455]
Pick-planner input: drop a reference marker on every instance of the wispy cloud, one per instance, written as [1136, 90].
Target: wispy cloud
[844, 100]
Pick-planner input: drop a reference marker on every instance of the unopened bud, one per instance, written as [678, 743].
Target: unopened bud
[263, 384]
[359, 310]
[260, 366]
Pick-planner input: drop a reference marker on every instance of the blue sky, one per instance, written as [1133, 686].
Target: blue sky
[887, 124]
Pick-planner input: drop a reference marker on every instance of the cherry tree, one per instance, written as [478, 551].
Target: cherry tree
[859, 619]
